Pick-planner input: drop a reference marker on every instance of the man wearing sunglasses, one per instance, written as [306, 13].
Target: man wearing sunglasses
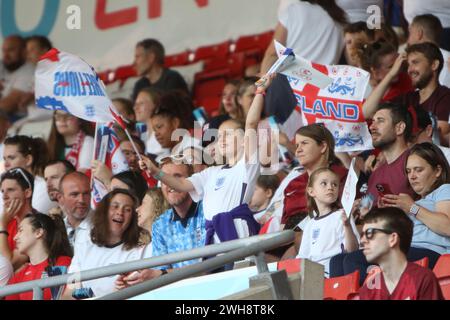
[17, 190]
[386, 239]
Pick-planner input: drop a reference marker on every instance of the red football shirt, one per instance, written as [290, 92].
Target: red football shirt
[34, 272]
[402, 86]
[416, 283]
[12, 230]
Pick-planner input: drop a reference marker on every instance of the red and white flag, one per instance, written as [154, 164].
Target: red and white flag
[66, 82]
[331, 94]
[107, 151]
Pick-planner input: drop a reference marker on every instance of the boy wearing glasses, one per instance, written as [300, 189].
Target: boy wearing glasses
[387, 234]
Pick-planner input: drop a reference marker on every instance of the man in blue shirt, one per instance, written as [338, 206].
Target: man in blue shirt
[180, 228]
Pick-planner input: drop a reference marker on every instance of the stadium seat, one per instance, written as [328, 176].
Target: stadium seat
[258, 42]
[253, 47]
[442, 267]
[123, 73]
[232, 66]
[220, 50]
[290, 265]
[341, 288]
[442, 272]
[175, 60]
[208, 93]
[422, 262]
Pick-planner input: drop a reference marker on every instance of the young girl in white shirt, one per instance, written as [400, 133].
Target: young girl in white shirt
[329, 231]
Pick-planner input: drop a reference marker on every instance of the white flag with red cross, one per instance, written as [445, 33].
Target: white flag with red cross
[330, 94]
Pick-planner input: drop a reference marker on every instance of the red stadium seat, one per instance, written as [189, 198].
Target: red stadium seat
[179, 59]
[208, 92]
[220, 50]
[123, 73]
[232, 66]
[422, 262]
[341, 288]
[290, 265]
[259, 42]
[442, 272]
[253, 47]
[442, 267]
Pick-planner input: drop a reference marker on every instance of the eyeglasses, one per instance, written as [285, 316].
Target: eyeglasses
[177, 159]
[20, 170]
[370, 232]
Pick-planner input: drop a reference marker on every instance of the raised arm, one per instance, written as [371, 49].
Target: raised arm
[271, 55]
[371, 104]
[179, 184]
[254, 116]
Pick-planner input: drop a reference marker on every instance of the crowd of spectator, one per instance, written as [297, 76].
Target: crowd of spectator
[184, 191]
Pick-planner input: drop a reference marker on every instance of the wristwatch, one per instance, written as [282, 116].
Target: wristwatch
[414, 210]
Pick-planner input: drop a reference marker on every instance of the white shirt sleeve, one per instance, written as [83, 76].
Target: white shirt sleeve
[41, 201]
[86, 153]
[6, 271]
[283, 16]
[24, 79]
[199, 180]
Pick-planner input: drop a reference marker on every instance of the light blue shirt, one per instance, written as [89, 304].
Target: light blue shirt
[171, 234]
[423, 237]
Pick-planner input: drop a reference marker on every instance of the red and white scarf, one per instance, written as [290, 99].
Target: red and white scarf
[74, 153]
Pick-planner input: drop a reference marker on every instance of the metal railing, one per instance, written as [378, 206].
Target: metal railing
[234, 250]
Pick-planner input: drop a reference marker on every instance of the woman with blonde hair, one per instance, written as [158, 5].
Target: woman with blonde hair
[153, 205]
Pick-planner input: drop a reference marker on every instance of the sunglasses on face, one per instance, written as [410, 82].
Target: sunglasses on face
[370, 232]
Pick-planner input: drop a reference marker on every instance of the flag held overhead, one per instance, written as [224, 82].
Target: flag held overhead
[296, 67]
[66, 82]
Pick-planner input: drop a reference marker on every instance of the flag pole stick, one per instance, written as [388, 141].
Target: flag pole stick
[132, 144]
[95, 150]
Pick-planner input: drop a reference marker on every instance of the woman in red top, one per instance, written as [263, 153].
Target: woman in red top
[315, 149]
[44, 240]
[378, 58]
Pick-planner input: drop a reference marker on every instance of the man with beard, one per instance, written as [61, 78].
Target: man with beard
[53, 172]
[180, 228]
[390, 130]
[428, 28]
[75, 199]
[386, 239]
[16, 78]
[425, 63]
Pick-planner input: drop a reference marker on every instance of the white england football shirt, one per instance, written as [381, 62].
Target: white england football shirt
[323, 238]
[223, 188]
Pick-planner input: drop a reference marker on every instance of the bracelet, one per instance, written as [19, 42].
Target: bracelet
[4, 232]
[159, 175]
[261, 91]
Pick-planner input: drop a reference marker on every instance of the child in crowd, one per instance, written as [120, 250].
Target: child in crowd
[329, 231]
[265, 188]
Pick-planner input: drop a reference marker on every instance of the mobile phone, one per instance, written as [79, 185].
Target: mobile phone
[383, 189]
